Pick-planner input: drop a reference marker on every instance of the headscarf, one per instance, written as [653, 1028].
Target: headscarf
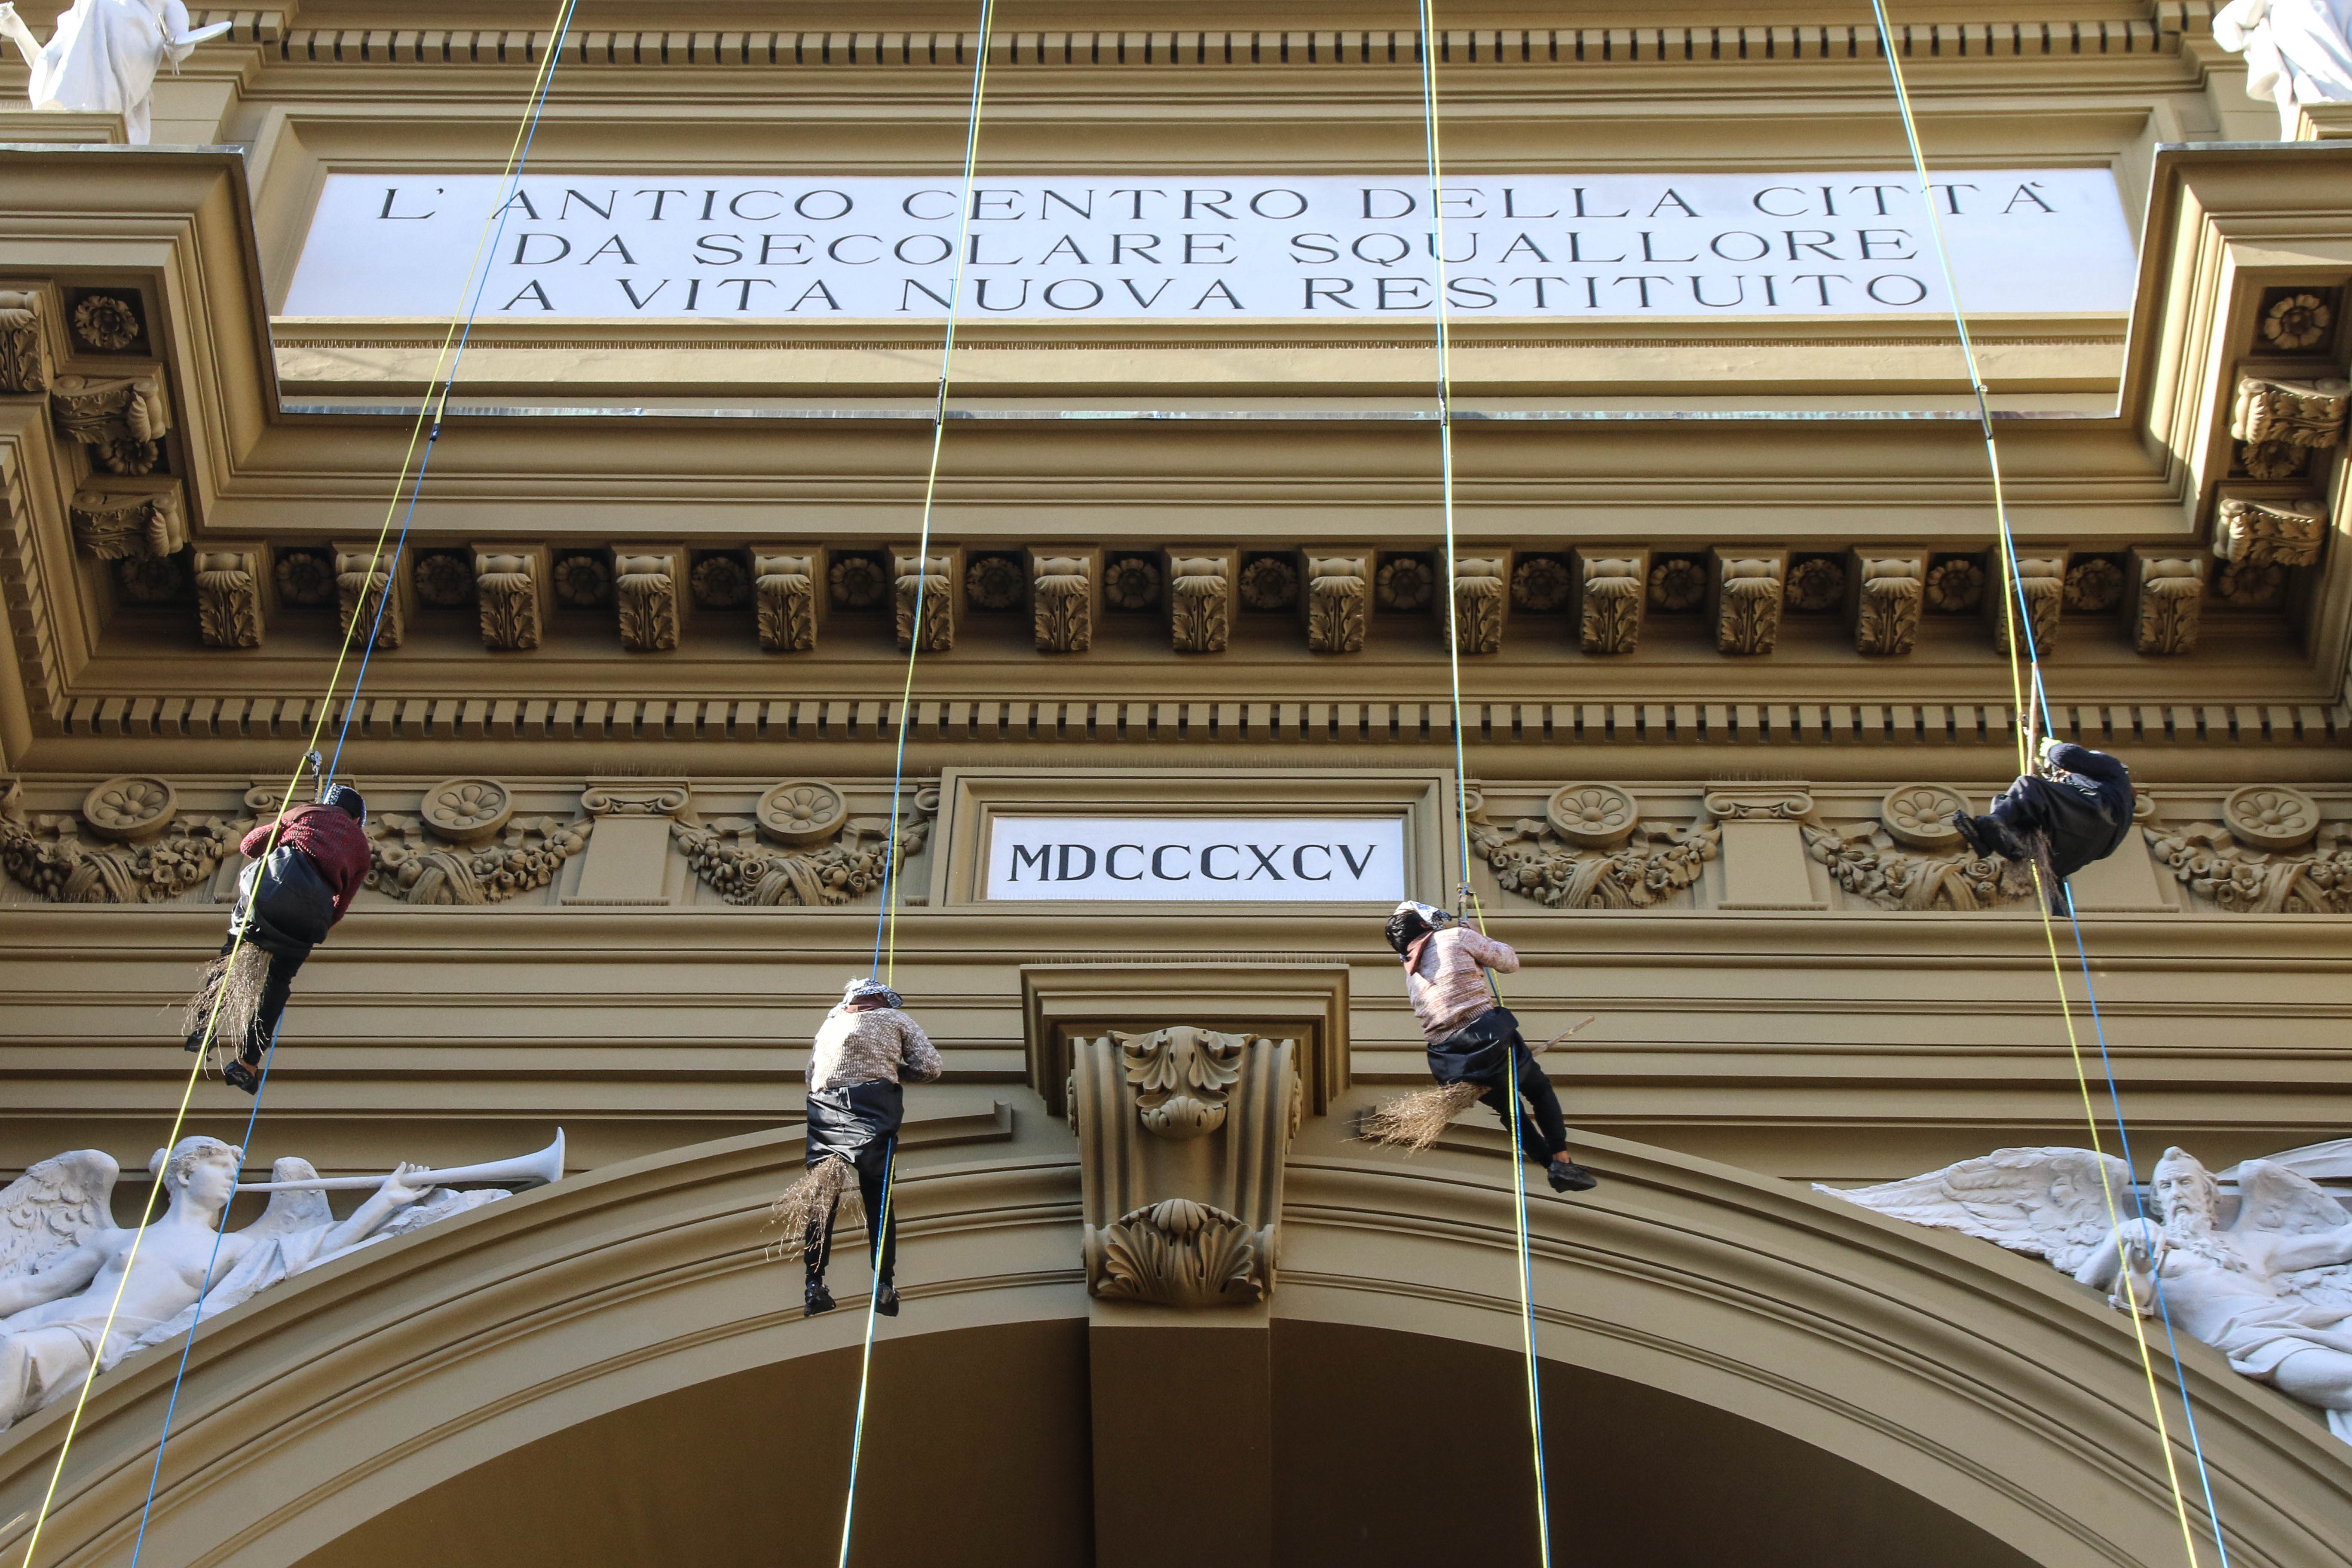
[858, 990]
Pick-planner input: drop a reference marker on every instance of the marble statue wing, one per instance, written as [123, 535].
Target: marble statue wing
[52, 1207]
[289, 1212]
[2329, 1162]
[2273, 1197]
[2044, 1203]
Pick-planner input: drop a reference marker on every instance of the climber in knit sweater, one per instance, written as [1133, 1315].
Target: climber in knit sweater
[865, 1048]
[1473, 1042]
[303, 869]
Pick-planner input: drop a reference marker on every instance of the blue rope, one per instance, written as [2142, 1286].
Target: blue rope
[243, 1156]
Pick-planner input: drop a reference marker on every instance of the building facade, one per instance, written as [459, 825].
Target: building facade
[1148, 730]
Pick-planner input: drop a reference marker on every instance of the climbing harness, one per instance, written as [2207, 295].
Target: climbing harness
[2028, 695]
[1428, 46]
[445, 371]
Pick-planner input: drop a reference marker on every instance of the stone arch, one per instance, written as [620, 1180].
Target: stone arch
[1985, 1385]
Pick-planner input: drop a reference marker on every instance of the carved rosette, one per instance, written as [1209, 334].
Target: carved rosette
[1338, 601]
[646, 590]
[1063, 593]
[508, 589]
[1613, 587]
[1182, 1136]
[2042, 583]
[1201, 602]
[1594, 853]
[1482, 593]
[2248, 531]
[928, 582]
[784, 594]
[466, 846]
[366, 593]
[112, 525]
[2247, 864]
[149, 853]
[228, 596]
[1748, 600]
[1889, 590]
[24, 347]
[2168, 594]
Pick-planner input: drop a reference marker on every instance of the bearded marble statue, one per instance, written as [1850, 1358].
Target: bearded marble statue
[103, 56]
[2272, 1289]
[63, 1259]
[2296, 51]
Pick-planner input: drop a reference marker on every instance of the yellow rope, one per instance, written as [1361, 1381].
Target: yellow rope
[317, 729]
[2023, 718]
[888, 962]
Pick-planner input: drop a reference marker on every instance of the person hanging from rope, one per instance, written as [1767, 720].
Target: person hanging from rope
[288, 897]
[1473, 1040]
[866, 1047]
[2075, 810]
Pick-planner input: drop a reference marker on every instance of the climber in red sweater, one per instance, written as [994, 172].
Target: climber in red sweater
[288, 897]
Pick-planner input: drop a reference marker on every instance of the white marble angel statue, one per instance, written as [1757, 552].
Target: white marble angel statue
[2272, 1290]
[103, 55]
[62, 1257]
[2295, 50]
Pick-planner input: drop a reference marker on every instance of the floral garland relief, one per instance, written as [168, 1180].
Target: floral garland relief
[155, 854]
[466, 846]
[801, 847]
[2247, 864]
[1593, 851]
[1882, 860]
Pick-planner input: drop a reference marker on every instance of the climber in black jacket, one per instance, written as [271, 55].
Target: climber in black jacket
[2076, 809]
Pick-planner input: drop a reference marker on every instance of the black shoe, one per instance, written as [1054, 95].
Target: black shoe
[886, 1301]
[1570, 1177]
[820, 1300]
[237, 1074]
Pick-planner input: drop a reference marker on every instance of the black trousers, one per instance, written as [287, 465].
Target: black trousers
[1484, 1051]
[860, 1123]
[1543, 1134]
[277, 990]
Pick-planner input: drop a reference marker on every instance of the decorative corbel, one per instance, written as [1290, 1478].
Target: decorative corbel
[787, 588]
[122, 420]
[1061, 590]
[23, 346]
[2281, 421]
[1884, 588]
[1745, 592]
[649, 593]
[1612, 583]
[1482, 599]
[513, 586]
[1339, 600]
[932, 577]
[2166, 592]
[365, 580]
[1201, 597]
[2042, 583]
[2252, 530]
[1184, 1133]
[113, 524]
[234, 582]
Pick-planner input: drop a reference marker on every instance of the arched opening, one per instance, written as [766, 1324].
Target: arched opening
[1389, 1447]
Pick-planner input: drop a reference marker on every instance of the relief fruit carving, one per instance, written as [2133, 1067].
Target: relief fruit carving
[159, 856]
[1651, 864]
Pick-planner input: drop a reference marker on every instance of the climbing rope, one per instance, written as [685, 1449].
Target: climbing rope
[445, 372]
[886, 920]
[1428, 44]
[2018, 621]
[866, 1360]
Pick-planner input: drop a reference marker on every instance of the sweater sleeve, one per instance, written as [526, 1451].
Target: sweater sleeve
[255, 842]
[1489, 953]
[920, 1056]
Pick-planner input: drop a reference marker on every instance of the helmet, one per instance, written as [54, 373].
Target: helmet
[1410, 920]
[349, 801]
[865, 987]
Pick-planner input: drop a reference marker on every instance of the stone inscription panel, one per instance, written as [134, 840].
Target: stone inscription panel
[1239, 859]
[1216, 247]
